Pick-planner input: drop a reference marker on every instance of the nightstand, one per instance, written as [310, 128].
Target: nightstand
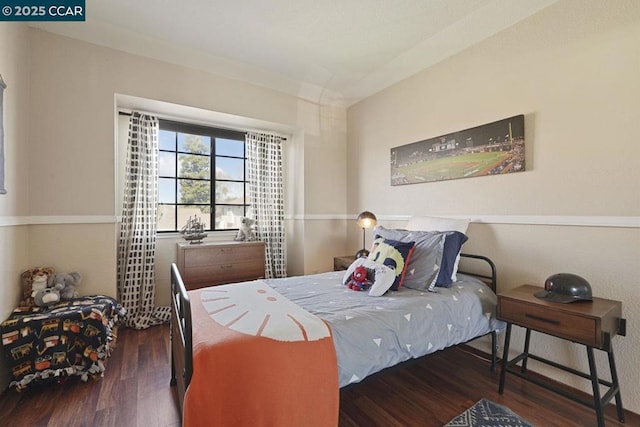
[342, 262]
[592, 323]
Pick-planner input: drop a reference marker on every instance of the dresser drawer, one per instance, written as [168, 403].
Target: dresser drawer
[570, 326]
[218, 274]
[222, 255]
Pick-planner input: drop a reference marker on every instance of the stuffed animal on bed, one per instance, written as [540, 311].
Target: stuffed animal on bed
[379, 277]
[359, 281]
[33, 280]
[245, 232]
[66, 284]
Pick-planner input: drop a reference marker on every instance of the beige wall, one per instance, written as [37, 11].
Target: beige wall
[62, 172]
[572, 70]
[14, 236]
[74, 85]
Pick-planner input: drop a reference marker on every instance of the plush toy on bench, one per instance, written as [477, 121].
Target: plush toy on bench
[60, 287]
[66, 284]
[34, 280]
[46, 297]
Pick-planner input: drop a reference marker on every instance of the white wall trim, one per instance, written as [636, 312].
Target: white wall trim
[10, 221]
[578, 221]
[563, 220]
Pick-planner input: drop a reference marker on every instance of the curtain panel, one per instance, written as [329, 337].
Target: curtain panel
[266, 193]
[137, 240]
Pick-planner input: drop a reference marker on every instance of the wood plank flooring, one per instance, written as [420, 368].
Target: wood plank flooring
[428, 392]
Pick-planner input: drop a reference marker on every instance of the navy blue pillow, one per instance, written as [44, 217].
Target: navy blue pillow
[453, 242]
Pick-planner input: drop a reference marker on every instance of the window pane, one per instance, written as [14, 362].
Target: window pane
[197, 144]
[166, 190]
[166, 217]
[228, 217]
[167, 140]
[194, 166]
[229, 147]
[230, 193]
[191, 191]
[227, 168]
[190, 163]
[186, 212]
[166, 164]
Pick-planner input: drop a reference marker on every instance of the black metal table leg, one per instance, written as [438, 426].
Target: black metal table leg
[616, 385]
[494, 350]
[527, 339]
[596, 388]
[505, 357]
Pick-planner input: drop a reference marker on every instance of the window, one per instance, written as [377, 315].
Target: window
[186, 185]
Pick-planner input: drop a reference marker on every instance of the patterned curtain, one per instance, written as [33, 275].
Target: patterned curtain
[266, 192]
[137, 243]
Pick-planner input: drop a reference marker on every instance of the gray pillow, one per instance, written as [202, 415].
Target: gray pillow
[424, 264]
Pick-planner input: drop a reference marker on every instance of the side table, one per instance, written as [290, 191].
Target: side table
[342, 262]
[592, 323]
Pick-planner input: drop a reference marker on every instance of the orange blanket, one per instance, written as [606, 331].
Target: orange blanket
[259, 360]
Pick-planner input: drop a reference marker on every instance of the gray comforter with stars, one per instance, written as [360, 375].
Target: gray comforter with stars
[373, 333]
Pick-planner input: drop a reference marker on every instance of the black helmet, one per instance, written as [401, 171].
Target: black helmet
[565, 287]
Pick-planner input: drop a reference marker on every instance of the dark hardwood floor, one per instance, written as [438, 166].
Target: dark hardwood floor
[428, 392]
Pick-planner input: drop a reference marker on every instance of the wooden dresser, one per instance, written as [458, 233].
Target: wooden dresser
[217, 263]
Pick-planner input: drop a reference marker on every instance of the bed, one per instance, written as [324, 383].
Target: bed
[362, 335]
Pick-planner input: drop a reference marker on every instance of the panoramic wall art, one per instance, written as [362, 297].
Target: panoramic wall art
[492, 149]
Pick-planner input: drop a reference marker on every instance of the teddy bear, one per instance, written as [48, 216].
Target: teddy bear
[47, 296]
[359, 281]
[66, 284]
[33, 280]
[245, 232]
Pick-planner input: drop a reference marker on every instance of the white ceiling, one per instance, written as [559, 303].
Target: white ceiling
[329, 51]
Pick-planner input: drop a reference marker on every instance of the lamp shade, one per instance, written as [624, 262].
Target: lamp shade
[367, 219]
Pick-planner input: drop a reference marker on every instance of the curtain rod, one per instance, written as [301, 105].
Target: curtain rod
[129, 112]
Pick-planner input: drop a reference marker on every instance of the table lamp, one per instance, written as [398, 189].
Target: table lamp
[365, 220]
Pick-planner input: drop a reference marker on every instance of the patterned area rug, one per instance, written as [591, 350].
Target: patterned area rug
[486, 413]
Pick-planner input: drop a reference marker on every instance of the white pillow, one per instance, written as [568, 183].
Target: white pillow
[434, 223]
